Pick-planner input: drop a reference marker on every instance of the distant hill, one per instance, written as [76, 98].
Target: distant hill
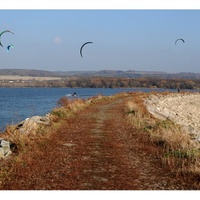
[101, 73]
[27, 72]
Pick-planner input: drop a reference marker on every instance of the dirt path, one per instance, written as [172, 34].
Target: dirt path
[98, 150]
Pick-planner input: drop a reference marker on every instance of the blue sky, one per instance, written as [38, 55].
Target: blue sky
[141, 40]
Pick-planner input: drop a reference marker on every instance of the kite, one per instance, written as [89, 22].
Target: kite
[178, 40]
[83, 46]
[9, 46]
[6, 31]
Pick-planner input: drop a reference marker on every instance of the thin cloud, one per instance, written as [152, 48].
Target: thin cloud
[57, 40]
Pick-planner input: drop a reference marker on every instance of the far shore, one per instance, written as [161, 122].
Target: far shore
[17, 77]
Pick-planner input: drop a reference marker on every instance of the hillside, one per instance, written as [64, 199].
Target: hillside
[101, 73]
[98, 79]
[26, 72]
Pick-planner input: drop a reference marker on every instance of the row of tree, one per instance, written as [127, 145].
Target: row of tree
[135, 82]
[91, 82]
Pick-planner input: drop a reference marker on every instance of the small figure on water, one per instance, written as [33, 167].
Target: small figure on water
[74, 94]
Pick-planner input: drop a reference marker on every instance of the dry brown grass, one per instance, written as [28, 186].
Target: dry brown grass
[67, 106]
[180, 153]
[35, 144]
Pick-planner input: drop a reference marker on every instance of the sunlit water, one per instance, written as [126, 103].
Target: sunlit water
[17, 104]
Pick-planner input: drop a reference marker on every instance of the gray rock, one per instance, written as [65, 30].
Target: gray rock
[4, 148]
[31, 124]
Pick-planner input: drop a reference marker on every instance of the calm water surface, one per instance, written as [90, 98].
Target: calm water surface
[17, 104]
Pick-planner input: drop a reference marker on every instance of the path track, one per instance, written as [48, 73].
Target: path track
[99, 150]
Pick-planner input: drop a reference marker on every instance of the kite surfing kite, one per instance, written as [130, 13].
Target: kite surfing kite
[179, 39]
[6, 31]
[83, 46]
[9, 46]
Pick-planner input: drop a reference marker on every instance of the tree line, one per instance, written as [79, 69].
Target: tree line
[106, 82]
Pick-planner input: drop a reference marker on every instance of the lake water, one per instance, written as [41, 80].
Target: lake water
[17, 104]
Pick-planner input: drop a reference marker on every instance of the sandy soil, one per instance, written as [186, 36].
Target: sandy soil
[182, 108]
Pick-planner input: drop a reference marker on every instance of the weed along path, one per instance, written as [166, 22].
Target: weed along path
[97, 149]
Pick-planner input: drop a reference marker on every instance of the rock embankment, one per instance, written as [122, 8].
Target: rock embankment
[28, 126]
[181, 108]
[31, 124]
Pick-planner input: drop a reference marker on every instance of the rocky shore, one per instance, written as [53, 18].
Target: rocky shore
[27, 126]
[181, 108]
